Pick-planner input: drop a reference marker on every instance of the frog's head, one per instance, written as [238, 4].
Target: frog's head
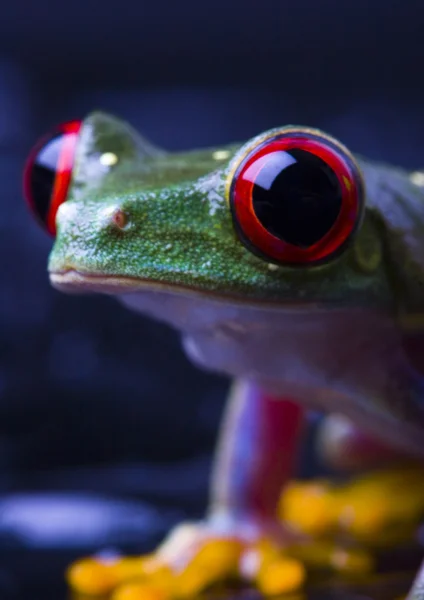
[278, 220]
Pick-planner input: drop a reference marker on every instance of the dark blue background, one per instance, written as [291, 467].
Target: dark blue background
[93, 398]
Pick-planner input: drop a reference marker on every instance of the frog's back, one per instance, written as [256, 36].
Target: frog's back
[396, 199]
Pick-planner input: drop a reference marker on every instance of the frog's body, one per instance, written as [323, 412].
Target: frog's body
[156, 230]
[327, 335]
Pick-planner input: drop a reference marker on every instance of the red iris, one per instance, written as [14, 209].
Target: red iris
[297, 198]
[48, 172]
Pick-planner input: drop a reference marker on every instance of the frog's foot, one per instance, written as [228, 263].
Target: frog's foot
[380, 509]
[195, 557]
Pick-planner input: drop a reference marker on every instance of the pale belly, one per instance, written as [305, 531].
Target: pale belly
[344, 361]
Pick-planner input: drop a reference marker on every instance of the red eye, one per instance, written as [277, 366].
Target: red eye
[48, 173]
[297, 198]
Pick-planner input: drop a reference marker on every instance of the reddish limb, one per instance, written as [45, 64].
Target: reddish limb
[256, 453]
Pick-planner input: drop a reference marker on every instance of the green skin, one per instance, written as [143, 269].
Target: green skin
[156, 229]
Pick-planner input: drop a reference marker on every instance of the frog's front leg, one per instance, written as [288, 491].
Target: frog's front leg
[255, 457]
[254, 461]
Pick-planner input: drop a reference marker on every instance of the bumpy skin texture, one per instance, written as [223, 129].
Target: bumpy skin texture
[156, 229]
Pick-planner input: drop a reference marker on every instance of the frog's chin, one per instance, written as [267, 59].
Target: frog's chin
[188, 310]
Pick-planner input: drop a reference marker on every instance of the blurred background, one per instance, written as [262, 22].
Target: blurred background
[106, 430]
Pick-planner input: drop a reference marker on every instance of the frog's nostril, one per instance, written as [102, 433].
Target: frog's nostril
[119, 218]
[116, 217]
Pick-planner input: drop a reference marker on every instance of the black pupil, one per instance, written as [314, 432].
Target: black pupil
[296, 196]
[43, 174]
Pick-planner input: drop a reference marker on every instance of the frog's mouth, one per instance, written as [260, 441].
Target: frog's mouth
[72, 281]
[77, 282]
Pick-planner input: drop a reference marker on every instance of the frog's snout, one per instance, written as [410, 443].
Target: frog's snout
[70, 216]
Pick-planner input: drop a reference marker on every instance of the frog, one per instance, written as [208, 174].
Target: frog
[286, 262]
